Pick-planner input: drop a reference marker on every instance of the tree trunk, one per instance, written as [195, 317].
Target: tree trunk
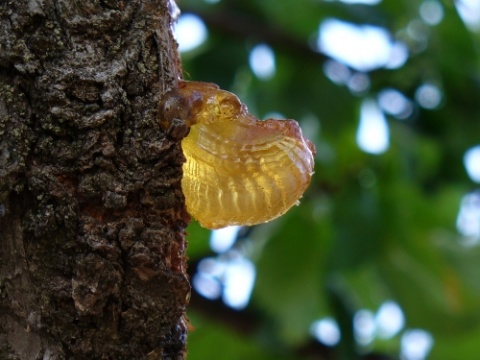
[92, 216]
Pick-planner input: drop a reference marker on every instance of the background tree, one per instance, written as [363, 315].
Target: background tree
[376, 233]
[92, 257]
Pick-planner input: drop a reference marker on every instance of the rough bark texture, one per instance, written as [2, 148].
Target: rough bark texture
[92, 218]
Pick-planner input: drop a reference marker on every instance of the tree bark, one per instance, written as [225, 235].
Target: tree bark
[92, 216]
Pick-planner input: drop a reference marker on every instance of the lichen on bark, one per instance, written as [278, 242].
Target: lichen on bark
[92, 257]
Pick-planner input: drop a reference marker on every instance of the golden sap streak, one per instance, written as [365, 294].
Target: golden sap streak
[239, 170]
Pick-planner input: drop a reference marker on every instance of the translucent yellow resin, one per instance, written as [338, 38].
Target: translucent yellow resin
[239, 170]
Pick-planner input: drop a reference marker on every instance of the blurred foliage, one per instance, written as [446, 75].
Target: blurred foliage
[371, 228]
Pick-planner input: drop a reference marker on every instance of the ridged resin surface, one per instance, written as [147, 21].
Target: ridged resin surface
[240, 170]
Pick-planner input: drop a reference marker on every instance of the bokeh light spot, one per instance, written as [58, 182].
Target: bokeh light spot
[468, 219]
[230, 275]
[223, 239]
[239, 279]
[190, 32]
[326, 331]
[469, 11]
[389, 320]
[366, 2]
[428, 96]
[398, 55]
[471, 161]
[393, 102]
[359, 83]
[364, 327]
[431, 12]
[364, 47]
[337, 72]
[416, 344]
[373, 131]
[262, 61]
[207, 286]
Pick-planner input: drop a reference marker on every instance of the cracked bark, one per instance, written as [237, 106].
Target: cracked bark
[92, 217]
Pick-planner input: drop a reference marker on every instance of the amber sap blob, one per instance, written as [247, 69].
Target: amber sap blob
[239, 170]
